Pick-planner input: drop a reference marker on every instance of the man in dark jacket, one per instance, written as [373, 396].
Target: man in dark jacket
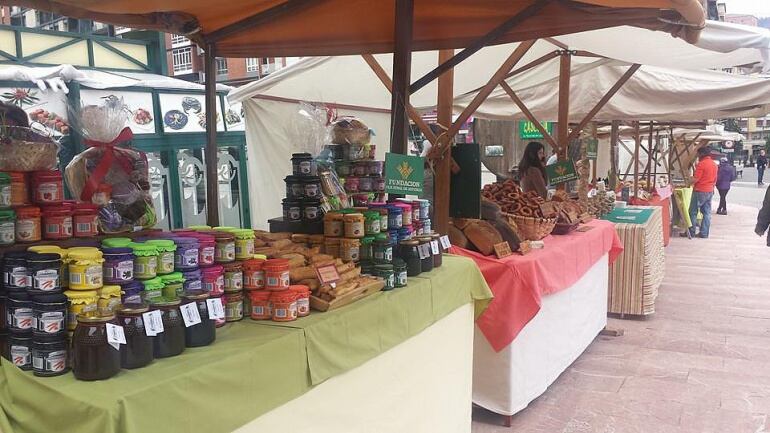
[761, 164]
[725, 176]
[763, 219]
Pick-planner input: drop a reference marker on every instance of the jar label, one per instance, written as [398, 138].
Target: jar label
[389, 281]
[46, 280]
[305, 167]
[21, 318]
[311, 212]
[83, 228]
[51, 322]
[190, 258]
[234, 310]
[18, 278]
[216, 310]
[115, 335]
[132, 299]
[207, 255]
[153, 294]
[25, 229]
[434, 247]
[355, 229]
[244, 248]
[48, 192]
[401, 279]
[285, 280]
[66, 226]
[354, 253]
[258, 311]
[153, 323]
[55, 362]
[123, 271]
[20, 355]
[311, 190]
[5, 196]
[280, 313]
[219, 284]
[7, 233]
[235, 280]
[303, 306]
[388, 253]
[190, 314]
[167, 261]
[194, 285]
[294, 213]
[424, 250]
[111, 305]
[374, 226]
[273, 282]
[297, 190]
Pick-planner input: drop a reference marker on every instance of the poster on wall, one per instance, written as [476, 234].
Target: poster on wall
[137, 105]
[185, 113]
[235, 116]
[47, 110]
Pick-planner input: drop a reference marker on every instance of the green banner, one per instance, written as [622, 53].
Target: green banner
[529, 130]
[562, 171]
[404, 174]
[592, 148]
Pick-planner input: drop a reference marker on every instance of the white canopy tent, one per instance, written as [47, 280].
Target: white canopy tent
[348, 83]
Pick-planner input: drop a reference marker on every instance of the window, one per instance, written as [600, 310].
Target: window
[252, 64]
[177, 40]
[182, 59]
[221, 66]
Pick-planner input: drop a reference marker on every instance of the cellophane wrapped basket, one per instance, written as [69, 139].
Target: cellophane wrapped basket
[528, 228]
[350, 130]
[24, 149]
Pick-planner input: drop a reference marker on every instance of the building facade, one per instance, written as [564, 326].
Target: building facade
[743, 19]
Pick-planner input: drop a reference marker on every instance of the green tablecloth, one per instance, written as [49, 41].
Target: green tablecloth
[629, 215]
[252, 368]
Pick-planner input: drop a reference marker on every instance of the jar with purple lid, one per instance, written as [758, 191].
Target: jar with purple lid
[186, 255]
[192, 281]
[375, 168]
[365, 184]
[118, 265]
[131, 292]
[359, 169]
[351, 184]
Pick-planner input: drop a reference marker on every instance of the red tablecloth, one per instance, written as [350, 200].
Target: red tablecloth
[520, 282]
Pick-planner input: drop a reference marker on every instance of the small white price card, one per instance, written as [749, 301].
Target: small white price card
[434, 247]
[153, 323]
[445, 242]
[115, 336]
[190, 314]
[216, 310]
[424, 251]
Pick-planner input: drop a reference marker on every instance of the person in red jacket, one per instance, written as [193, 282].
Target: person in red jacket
[704, 180]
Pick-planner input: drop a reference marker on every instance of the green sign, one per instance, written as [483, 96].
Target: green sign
[529, 130]
[592, 148]
[403, 174]
[560, 172]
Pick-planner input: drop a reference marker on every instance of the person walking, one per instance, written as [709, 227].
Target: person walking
[761, 165]
[704, 180]
[725, 176]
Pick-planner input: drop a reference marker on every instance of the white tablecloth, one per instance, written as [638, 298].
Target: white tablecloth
[506, 382]
[421, 385]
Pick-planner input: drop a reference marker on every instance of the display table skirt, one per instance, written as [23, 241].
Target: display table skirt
[506, 382]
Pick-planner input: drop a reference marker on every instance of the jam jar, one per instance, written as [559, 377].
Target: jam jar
[171, 341]
[438, 255]
[203, 333]
[138, 350]
[49, 315]
[426, 264]
[19, 315]
[93, 357]
[49, 356]
[20, 350]
[409, 254]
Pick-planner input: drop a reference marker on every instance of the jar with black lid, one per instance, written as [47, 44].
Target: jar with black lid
[295, 190]
[19, 312]
[20, 350]
[302, 164]
[400, 273]
[426, 264]
[170, 342]
[49, 356]
[438, 259]
[203, 333]
[49, 315]
[15, 273]
[93, 358]
[409, 254]
[311, 186]
[311, 211]
[44, 272]
[138, 350]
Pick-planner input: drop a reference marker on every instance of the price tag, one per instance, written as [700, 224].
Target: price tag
[424, 251]
[115, 336]
[216, 310]
[327, 274]
[190, 314]
[434, 247]
[445, 242]
[153, 323]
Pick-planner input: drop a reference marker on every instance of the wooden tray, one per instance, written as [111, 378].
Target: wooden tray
[368, 286]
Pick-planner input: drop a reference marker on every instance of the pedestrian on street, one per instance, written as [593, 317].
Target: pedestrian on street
[763, 219]
[761, 165]
[725, 176]
[704, 180]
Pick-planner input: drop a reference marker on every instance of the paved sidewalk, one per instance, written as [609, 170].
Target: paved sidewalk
[701, 364]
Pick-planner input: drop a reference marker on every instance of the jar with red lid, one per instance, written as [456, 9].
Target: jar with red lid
[213, 279]
[47, 187]
[28, 224]
[253, 274]
[85, 220]
[284, 306]
[261, 308]
[19, 190]
[57, 222]
[276, 274]
[303, 299]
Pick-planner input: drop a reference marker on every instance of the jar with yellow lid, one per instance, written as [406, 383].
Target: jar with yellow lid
[244, 243]
[354, 225]
[109, 299]
[80, 302]
[85, 268]
[334, 224]
[54, 249]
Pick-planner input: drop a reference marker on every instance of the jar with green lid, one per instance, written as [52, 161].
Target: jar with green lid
[383, 250]
[399, 269]
[199, 227]
[7, 227]
[116, 242]
[5, 191]
[367, 248]
[153, 290]
[166, 248]
[145, 261]
[173, 284]
[244, 243]
[372, 223]
[226, 229]
[386, 273]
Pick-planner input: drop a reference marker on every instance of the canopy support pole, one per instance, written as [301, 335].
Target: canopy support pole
[443, 166]
[614, 137]
[402, 72]
[530, 116]
[565, 72]
[210, 151]
[638, 141]
[285, 8]
[651, 160]
[534, 63]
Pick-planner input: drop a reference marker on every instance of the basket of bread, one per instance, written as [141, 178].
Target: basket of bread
[529, 214]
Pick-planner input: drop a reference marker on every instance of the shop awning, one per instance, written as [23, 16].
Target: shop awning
[263, 28]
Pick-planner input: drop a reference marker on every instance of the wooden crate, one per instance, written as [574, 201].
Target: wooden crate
[368, 287]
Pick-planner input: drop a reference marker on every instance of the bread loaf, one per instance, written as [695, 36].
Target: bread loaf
[457, 237]
[483, 236]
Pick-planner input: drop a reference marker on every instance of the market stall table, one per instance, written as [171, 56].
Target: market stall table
[548, 307]
[255, 367]
[637, 274]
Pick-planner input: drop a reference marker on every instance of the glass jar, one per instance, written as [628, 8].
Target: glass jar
[44, 271]
[145, 261]
[294, 188]
[406, 213]
[15, 272]
[118, 265]
[409, 253]
[367, 248]
[311, 186]
[187, 253]
[233, 306]
[47, 187]
[49, 356]
[302, 299]
[109, 299]
[28, 224]
[206, 248]
[192, 280]
[166, 249]
[311, 210]
[19, 313]
[260, 305]
[244, 244]
[170, 342]
[173, 285]
[93, 358]
[233, 277]
[204, 333]
[253, 274]
[81, 302]
[302, 164]
[372, 224]
[276, 274]
[365, 184]
[213, 280]
[386, 273]
[292, 210]
[284, 306]
[49, 315]
[383, 250]
[359, 169]
[438, 255]
[138, 350]
[19, 191]
[5, 191]
[85, 220]
[57, 223]
[225, 247]
[354, 225]
[20, 350]
[399, 269]
[395, 218]
[153, 289]
[333, 224]
[426, 263]
[350, 250]
[351, 184]
[7, 227]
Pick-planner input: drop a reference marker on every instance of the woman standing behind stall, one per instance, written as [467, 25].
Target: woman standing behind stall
[532, 169]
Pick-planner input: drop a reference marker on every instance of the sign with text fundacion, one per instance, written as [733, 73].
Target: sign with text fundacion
[561, 172]
[528, 130]
[404, 174]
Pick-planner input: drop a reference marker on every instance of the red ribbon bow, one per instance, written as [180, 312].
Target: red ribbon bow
[111, 154]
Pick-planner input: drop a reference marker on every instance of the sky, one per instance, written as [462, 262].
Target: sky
[759, 8]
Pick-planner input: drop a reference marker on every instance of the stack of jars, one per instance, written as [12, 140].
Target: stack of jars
[303, 191]
[270, 294]
[359, 173]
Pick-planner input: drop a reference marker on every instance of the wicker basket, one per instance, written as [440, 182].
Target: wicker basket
[350, 131]
[23, 149]
[530, 229]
